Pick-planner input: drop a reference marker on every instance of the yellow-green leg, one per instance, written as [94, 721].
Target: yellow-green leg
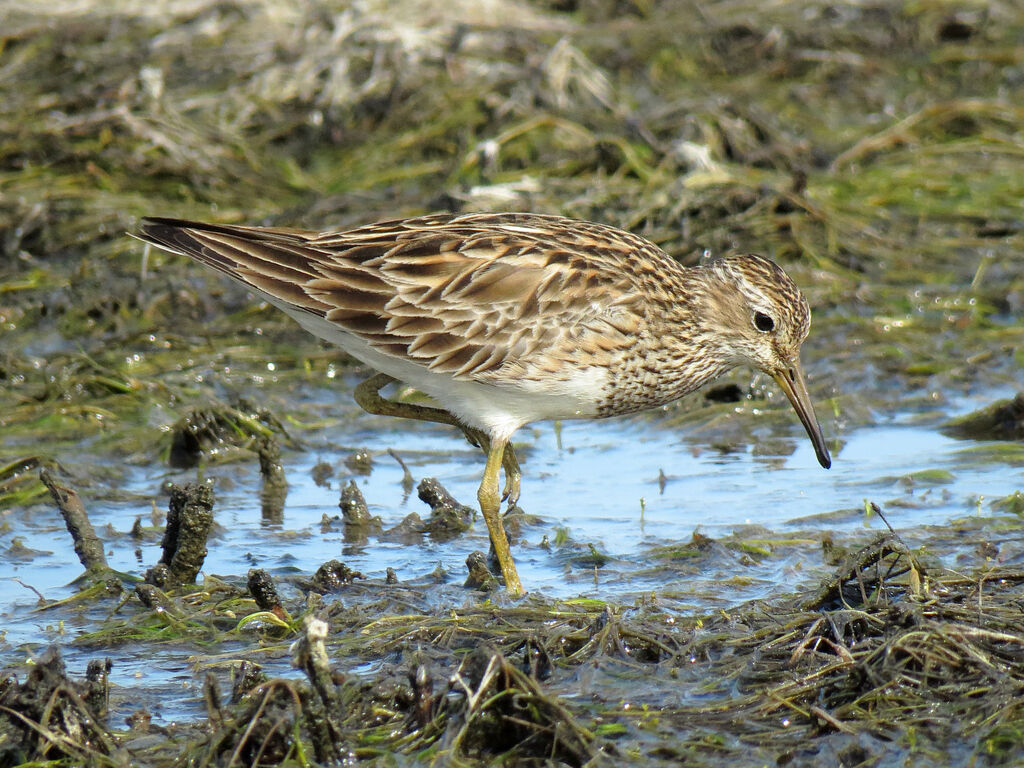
[499, 454]
[513, 477]
[490, 505]
[368, 396]
[513, 474]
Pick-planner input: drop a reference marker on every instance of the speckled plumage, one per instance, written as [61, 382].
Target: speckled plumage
[510, 318]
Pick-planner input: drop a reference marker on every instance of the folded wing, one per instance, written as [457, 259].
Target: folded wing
[471, 296]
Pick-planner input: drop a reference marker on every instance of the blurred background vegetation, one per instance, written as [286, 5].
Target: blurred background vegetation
[875, 148]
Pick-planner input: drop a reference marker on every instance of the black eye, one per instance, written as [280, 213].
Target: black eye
[763, 322]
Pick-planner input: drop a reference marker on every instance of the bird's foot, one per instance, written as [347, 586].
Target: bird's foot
[513, 477]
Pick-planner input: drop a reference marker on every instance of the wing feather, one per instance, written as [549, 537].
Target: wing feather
[468, 295]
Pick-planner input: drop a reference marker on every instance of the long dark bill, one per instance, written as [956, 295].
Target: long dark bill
[791, 380]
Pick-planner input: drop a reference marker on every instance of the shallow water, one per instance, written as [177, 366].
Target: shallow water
[593, 483]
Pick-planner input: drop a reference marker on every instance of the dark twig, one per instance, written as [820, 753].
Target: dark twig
[88, 546]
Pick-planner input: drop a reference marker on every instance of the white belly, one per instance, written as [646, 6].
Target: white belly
[497, 409]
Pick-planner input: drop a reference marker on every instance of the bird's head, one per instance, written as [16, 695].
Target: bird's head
[757, 316]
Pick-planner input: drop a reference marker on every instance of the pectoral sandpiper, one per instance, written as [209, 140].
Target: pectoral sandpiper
[509, 318]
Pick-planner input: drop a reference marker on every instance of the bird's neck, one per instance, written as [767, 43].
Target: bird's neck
[677, 351]
[690, 340]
